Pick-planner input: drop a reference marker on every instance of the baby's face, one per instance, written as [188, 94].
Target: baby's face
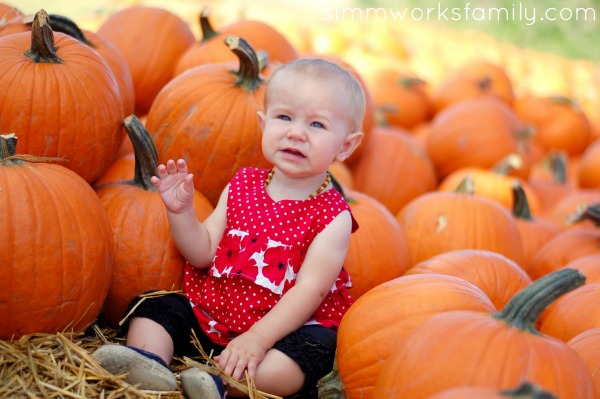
[307, 121]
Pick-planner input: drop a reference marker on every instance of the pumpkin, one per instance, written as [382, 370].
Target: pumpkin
[388, 313]
[378, 250]
[497, 276]
[152, 40]
[146, 256]
[438, 222]
[499, 350]
[494, 183]
[74, 110]
[589, 265]
[113, 57]
[260, 35]
[12, 20]
[559, 122]
[208, 117]
[563, 248]
[587, 345]
[402, 98]
[523, 391]
[474, 79]
[549, 179]
[57, 249]
[455, 140]
[589, 165]
[393, 168]
[572, 314]
[535, 232]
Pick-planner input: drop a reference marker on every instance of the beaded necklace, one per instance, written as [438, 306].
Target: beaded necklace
[317, 191]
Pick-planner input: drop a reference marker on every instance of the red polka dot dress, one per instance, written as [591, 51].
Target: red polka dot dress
[259, 256]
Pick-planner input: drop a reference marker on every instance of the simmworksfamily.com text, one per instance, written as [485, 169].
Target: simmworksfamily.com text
[517, 13]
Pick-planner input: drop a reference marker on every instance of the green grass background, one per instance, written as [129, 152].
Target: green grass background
[572, 39]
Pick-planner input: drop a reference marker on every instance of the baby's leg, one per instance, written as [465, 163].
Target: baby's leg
[150, 336]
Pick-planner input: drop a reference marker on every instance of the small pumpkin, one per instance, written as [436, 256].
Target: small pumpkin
[587, 345]
[588, 175]
[146, 257]
[57, 248]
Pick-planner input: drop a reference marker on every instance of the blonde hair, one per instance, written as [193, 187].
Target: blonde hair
[323, 69]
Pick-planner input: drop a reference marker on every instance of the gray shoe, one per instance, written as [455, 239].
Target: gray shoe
[139, 370]
[198, 384]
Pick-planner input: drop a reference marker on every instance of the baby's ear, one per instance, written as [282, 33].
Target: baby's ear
[261, 119]
[352, 141]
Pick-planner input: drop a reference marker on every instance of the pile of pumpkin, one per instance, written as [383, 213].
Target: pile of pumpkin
[477, 206]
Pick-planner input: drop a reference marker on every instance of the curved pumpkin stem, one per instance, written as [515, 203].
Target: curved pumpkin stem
[58, 23]
[208, 32]
[248, 75]
[466, 186]
[42, 49]
[527, 390]
[558, 167]
[330, 386]
[508, 164]
[523, 310]
[146, 157]
[521, 207]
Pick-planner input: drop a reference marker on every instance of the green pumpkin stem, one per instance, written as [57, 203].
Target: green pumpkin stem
[558, 167]
[523, 310]
[521, 209]
[146, 157]
[466, 186]
[58, 23]
[527, 390]
[208, 32]
[248, 74]
[330, 386]
[42, 49]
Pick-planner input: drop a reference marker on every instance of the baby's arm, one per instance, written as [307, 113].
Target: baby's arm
[317, 275]
[195, 241]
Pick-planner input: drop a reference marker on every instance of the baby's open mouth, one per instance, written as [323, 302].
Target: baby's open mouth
[293, 152]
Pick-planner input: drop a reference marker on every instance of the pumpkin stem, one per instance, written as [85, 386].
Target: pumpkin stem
[523, 310]
[58, 23]
[509, 164]
[9, 157]
[248, 75]
[330, 386]
[527, 390]
[521, 209]
[42, 49]
[146, 157]
[466, 186]
[208, 32]
[558, 167]
[336, 184]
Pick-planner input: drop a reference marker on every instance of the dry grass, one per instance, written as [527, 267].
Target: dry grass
[60, 366]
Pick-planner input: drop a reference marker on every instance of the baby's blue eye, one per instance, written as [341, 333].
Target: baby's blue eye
[284, 118]
[317, 125]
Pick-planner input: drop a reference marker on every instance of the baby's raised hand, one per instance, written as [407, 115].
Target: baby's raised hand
[175, 185]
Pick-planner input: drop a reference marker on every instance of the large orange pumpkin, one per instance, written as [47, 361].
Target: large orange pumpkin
[497, 276]
[151, 39]
[438, 222]
[393, 168]
[57, 249]
[559, 122]
[378, 250]
[146, 257]
[587, 345]
[497, 350]
[66, 103]
[387, 314]
[208, 117]
[455, 137]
